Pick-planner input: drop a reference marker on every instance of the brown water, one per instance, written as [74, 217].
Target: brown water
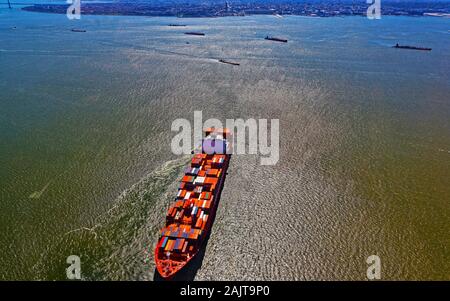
[364, 144]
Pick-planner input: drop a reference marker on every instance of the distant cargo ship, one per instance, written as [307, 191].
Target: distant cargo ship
[190, 218]
[411, 47]
[78, 30]
[228, 62]
[177, 25]
[193, 33]
[276, 39]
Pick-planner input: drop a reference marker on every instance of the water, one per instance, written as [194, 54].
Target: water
[85, 157]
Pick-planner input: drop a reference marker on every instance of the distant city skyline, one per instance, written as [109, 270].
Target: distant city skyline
[223, 8]
[220, 1]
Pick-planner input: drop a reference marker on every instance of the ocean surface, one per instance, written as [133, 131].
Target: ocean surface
[86, 166]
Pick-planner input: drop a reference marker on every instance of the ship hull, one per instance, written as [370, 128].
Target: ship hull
[412, 48]
[167, 267]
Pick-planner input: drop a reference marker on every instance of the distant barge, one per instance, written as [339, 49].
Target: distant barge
[228, 62]
[192, 33]
[411, 47]
[276, 39]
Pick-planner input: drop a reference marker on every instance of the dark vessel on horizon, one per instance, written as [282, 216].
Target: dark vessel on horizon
[193, 33]
[228, 62]
[276, 39]
[411, 47]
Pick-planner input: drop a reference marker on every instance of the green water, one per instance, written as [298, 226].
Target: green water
[85, 157]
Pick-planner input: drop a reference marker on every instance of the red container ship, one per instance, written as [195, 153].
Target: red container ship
[189, 219]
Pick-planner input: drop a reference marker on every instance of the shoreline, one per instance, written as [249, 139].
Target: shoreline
[215, 17]
[217, 12]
